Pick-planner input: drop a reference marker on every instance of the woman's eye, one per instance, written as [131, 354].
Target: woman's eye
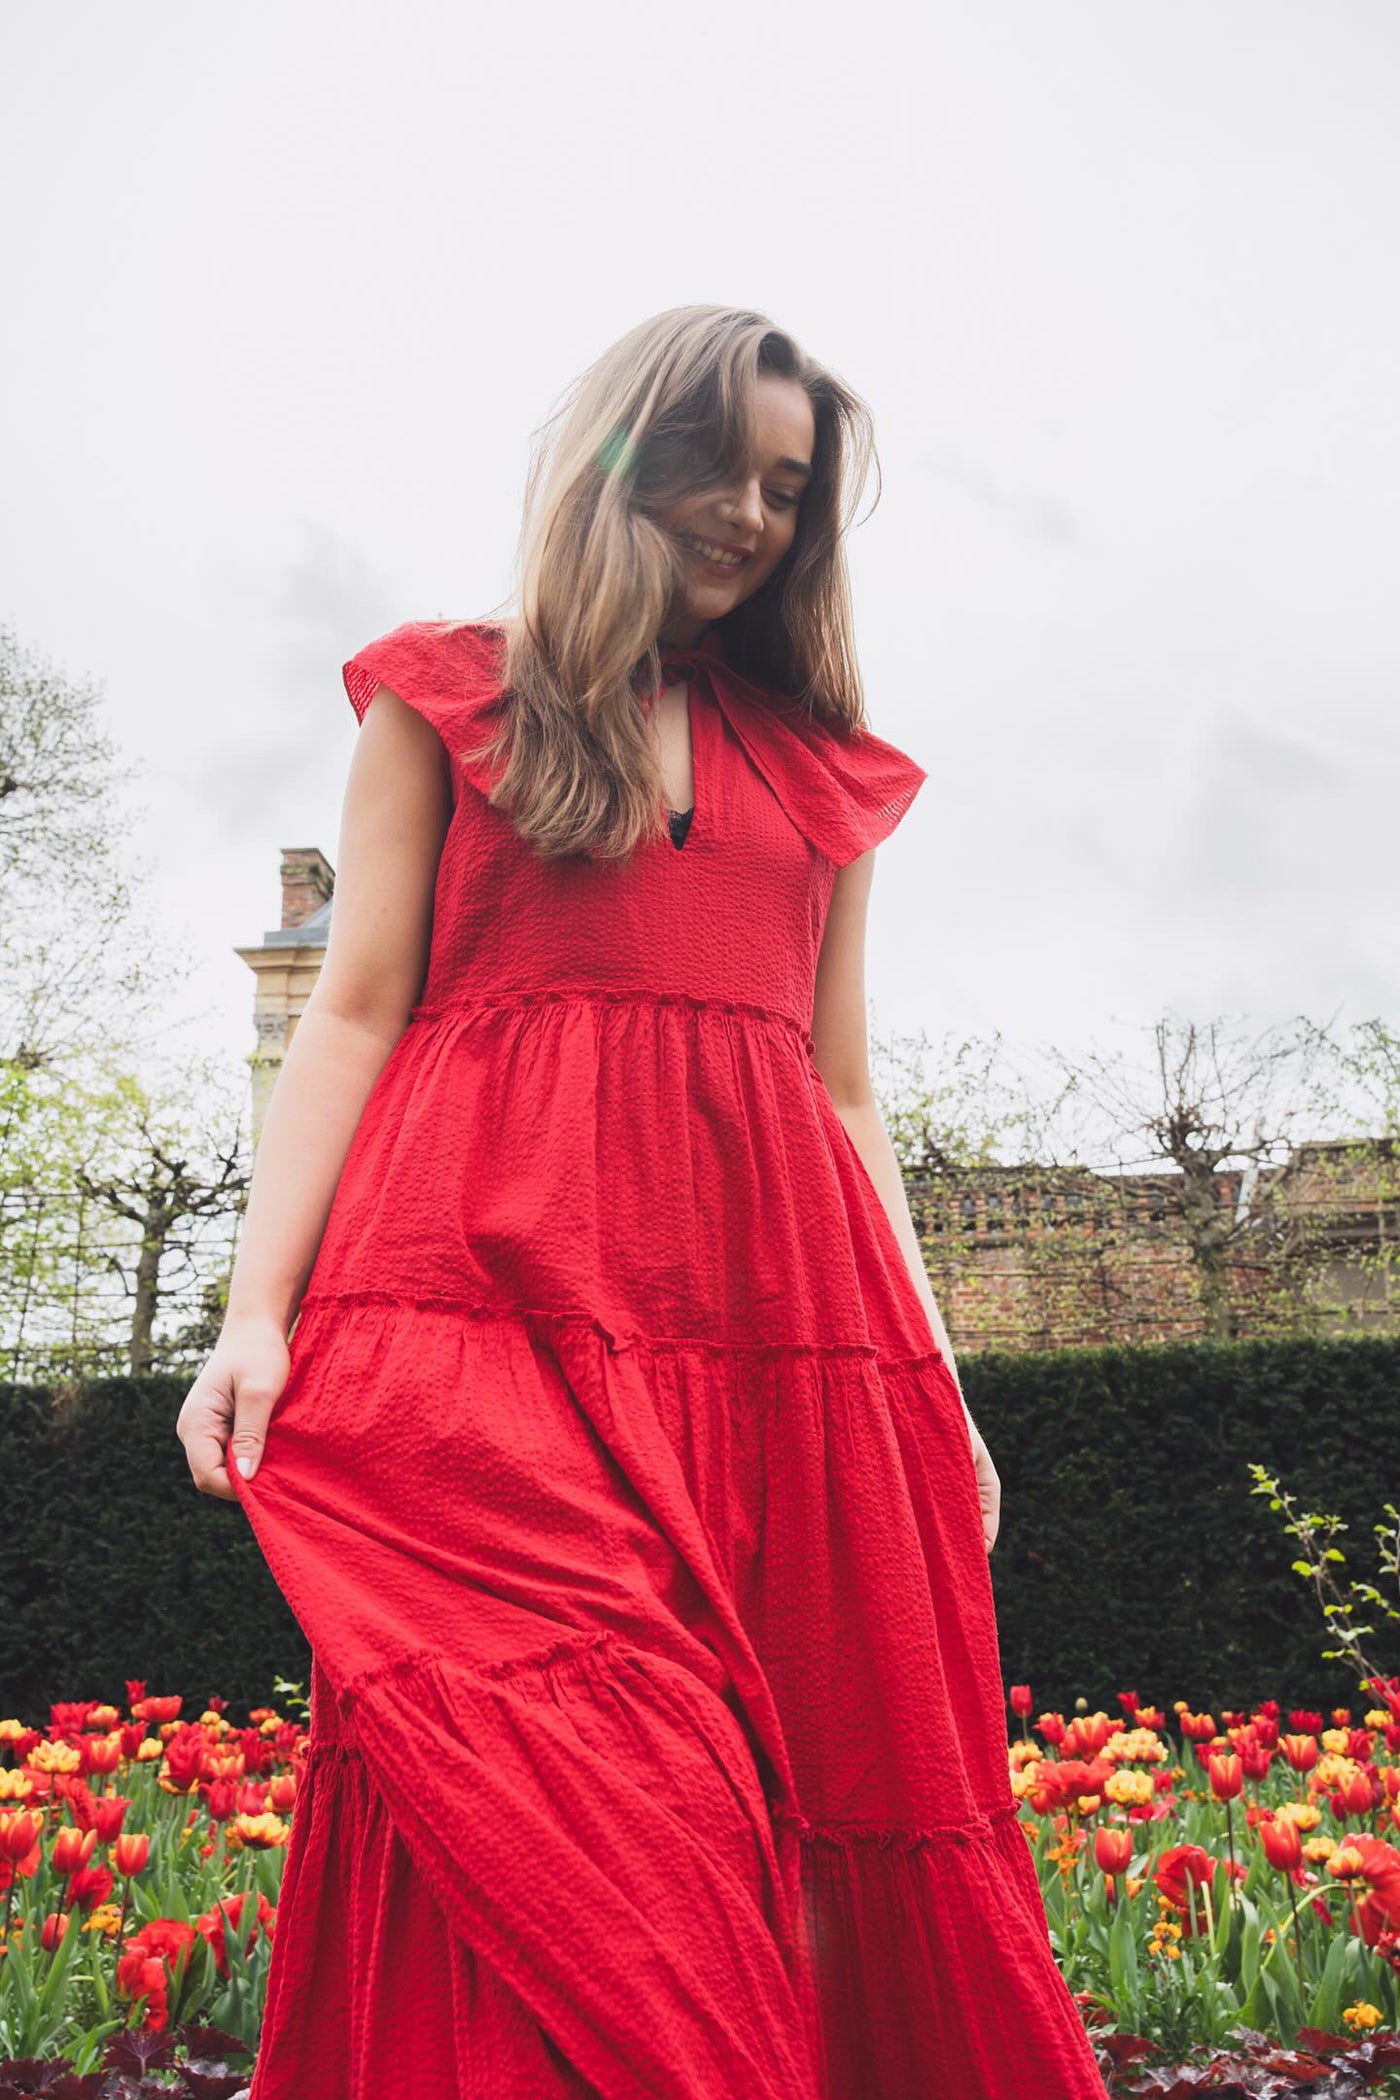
[782, 501]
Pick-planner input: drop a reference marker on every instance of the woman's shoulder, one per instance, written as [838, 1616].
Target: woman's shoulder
[449, 671]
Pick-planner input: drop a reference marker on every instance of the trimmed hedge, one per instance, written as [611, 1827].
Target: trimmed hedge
[1132, 1552]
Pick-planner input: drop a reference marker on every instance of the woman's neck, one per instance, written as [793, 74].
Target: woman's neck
[683, 633]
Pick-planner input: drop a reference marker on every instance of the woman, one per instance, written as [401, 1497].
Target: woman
[617, 1470]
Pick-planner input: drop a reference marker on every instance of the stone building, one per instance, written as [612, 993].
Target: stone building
[286, 963]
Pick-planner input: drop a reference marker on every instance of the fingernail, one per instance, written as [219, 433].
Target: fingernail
[245, 1467]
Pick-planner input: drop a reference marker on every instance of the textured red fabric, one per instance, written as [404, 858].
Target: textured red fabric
[658, 1732]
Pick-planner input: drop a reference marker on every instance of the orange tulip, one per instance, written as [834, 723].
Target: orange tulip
[1301, 1751]
[131, 1852]
[282, 1793]
[1356, 1794]
[72, 1849]
[102, 1753]
[19, 1834]
[1226, 1776]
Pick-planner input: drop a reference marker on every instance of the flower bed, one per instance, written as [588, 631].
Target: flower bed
[1222, 1892]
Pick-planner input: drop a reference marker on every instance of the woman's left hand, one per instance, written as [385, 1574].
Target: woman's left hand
[988, 1486]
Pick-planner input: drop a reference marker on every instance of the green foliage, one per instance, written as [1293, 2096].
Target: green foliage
[1133, 1552]
[113, 1565]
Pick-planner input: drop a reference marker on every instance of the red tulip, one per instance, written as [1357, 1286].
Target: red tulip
[1179, 1870]
[221, 1800]
[1256, 1758]
[1356, 1794]
[1052, 1727]
[1226, 1777]
[102, 1753]
[1113, 1848]
[1301, 1751]
[163, 1709]
[72, 1849]
[1282, 1841]
[52, 1930]
[282, 1793]
[19, 1834]
[130, 1853]
[1020, 1698]
[90, 1886]
[108, 1815]
[1380, 1864]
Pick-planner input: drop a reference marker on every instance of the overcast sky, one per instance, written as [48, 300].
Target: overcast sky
[289, 286]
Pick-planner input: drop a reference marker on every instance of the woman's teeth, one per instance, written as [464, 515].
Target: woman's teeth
[725, 556]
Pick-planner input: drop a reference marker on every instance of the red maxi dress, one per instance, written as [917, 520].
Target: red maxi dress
[658, 1737]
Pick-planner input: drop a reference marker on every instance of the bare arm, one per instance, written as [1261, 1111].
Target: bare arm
[398, 801]
[842, 1057]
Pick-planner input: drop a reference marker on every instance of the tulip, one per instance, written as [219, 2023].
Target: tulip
[1020, 1699]
[19, 1852]
[1256, 1758]
[221, 1800]
[262, 1832]
[19, 1834]
[90, 1886]
[282, 1793]
[72, 1849]
[52, 1930]
[131, 1852]
[1301, 1751]
[1283, 1843]
[1356, 1794]
[108, 1815]
[1113, 1848]
[102, 1753]
[1226, 1777]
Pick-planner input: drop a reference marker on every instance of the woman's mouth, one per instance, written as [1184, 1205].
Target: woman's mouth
[724, 559]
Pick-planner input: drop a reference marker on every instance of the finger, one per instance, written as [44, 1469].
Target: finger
[205, 1452]
[252, 1412]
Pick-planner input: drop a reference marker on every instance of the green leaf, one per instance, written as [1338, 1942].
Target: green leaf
[1326, 2006]
[1251, 1941]
[1302, 1567]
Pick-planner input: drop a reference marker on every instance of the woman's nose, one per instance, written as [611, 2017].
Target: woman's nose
[744, 507]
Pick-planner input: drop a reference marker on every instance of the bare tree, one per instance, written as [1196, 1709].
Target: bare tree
[75, 973]
[1212, 1098]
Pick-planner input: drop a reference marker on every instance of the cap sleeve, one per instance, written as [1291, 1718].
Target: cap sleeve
[448, 673]
[844, 790]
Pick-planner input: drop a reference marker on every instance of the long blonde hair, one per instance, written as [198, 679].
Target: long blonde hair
[668, 409]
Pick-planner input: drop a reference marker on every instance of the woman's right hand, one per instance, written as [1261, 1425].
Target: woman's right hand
[226, 1411]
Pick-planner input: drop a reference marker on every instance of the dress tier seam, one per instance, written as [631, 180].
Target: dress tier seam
[609, 995]
[482, 1310]
[572, 1657]
[877, 1837]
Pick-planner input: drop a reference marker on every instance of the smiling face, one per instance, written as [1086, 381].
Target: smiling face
[733, 535]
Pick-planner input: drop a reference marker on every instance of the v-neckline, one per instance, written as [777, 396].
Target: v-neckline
[693, 716]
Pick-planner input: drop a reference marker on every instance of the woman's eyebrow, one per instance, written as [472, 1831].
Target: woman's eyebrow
[795, 466]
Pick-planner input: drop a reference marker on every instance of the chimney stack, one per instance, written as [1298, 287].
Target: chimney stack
[307, 881]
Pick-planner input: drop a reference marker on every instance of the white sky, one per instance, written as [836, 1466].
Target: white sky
[289, 286]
